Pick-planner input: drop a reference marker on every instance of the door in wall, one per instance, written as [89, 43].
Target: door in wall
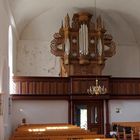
[89, 115]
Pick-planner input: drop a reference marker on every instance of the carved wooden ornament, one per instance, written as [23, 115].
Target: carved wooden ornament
[82, 46]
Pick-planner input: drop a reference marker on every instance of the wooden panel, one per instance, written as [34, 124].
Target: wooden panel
[125, 86]
[77, 86]
[41, 85]
[81, 84]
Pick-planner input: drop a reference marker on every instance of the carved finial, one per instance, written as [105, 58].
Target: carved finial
[67, 21]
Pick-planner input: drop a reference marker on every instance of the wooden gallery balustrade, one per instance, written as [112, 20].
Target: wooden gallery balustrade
[117, 88]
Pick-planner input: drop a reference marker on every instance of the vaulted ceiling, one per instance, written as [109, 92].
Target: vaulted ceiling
[123, 13]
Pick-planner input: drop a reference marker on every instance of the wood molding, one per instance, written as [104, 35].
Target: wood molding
[39, 97]
[125, 97]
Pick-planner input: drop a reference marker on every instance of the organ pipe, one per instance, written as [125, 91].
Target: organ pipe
[99, 47]
[67, 46]
[86, 39]
[83, 39]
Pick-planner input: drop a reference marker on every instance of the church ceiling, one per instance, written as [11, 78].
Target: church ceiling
[123, 13]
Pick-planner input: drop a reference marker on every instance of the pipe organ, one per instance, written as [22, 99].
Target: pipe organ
[82, 46]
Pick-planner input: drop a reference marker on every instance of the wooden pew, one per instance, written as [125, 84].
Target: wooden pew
[135, 130]
[57, 137]
[72, 132]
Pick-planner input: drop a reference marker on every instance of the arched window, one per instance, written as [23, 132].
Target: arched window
[10, 58]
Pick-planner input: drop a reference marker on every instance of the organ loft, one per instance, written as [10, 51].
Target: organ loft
[83, 46]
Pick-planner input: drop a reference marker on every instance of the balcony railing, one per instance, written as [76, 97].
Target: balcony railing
[74, 85]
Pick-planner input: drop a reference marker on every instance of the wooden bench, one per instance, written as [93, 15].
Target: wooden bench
[55, 132]
[134, 133]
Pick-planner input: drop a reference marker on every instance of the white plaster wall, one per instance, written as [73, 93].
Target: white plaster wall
[34, 59]
[57, 111]
[39, 111]
[1, 128]
[4, 25]
[5, 107]
[33, 53]
[126, 62]
[129, 110]
[14, 69]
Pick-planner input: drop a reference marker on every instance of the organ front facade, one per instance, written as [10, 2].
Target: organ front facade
[82, 46]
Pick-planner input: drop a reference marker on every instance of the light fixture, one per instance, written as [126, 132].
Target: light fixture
[97, 89]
